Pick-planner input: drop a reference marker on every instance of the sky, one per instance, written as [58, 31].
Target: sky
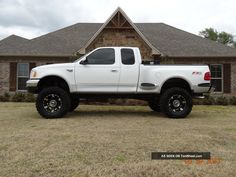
[32, 18]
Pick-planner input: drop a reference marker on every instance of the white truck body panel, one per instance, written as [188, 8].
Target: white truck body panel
[98, 78]
[129, 74]
[159, 74]
[120, 78]
[62, 70]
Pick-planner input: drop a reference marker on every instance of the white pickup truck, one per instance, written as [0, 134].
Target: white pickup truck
[117, 72]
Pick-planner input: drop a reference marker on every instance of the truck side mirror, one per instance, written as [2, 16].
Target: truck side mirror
[84, 62]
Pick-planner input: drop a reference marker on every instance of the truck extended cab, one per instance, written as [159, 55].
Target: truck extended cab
[117, 72]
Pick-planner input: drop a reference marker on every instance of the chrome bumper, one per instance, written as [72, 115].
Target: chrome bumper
[32, 85]
[204, 91]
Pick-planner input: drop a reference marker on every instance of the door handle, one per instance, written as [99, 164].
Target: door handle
[114, 70]
[69, 70]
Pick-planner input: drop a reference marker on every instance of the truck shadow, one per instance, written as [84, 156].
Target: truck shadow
[114, 114]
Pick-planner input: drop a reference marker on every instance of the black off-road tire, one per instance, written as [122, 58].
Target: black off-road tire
[53, 102]
[176, 102]
[74, 102]
[155, 106]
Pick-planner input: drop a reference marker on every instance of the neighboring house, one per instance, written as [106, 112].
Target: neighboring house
[157, 41]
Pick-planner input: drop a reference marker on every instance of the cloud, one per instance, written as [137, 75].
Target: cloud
[23, 31]
[30, 19]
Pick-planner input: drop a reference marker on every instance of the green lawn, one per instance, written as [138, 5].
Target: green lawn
[114, 141]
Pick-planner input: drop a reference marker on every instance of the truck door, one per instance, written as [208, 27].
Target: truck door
[129, 71]
[99, 72]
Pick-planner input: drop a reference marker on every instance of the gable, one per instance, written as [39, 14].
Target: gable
[119, 32]
[120, 37]
[119, 20]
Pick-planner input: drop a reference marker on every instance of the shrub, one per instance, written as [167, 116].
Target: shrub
[111, 101]
[204, 101]
[29, 97]
[208, 101]
[18, 97]
[198, 101]
[1, 98]
[5, 97]
[222, 100]
[114, 101]
[133, 102]
[232, 100]
[120, 101]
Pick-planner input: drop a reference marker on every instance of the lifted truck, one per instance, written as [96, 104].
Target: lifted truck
[117, 72]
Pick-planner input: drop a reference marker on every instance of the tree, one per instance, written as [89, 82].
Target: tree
[221, 37]
[225, 38]
[209, 33]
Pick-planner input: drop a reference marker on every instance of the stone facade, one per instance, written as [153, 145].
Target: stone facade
[4, 77]
[233, 78]
[121, 37]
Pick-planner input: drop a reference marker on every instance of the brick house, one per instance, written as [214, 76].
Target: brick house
[157, 41]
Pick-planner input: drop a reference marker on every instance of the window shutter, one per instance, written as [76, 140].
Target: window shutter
[12, 78]
[31, 65]
[227, 77]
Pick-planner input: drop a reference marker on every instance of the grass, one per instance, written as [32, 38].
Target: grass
[114, 141]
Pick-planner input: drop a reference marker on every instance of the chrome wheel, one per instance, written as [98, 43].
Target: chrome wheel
[52, 103]
[177, 103]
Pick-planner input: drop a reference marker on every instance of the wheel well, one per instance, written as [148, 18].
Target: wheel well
[53, 81]
[176, 82]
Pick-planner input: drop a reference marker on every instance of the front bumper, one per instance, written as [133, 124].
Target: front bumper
[32, 85]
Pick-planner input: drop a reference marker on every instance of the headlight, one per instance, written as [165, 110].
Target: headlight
[33, 74]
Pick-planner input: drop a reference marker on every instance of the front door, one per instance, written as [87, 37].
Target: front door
[99, 72]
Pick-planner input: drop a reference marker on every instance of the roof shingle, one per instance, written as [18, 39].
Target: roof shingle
[168, 40]
[178, 43]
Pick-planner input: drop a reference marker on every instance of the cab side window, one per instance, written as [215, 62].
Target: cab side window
[127, 56]
[105, 56]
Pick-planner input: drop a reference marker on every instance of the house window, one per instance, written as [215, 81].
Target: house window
[22, 75]
[217, 77]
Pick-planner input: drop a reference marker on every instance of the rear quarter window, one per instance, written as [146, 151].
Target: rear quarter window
[127, 56]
